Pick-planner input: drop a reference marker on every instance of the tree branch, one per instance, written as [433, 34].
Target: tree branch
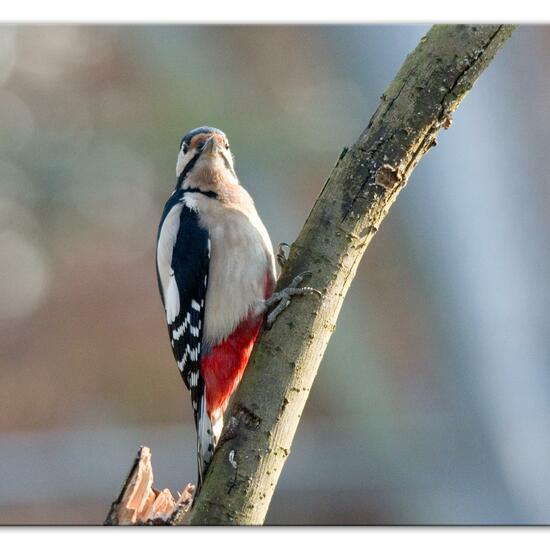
[365, 182]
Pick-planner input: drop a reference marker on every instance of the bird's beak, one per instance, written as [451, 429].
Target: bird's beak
[210, 147]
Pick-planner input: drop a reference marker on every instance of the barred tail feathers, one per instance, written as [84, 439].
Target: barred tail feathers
[208, 433]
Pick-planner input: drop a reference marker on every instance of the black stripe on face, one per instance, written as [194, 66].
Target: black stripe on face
[191, 164]
[188, 167]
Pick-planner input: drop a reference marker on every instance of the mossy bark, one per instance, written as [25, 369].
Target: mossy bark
[364, 183]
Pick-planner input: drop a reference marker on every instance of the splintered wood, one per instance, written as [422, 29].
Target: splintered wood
[141, 504]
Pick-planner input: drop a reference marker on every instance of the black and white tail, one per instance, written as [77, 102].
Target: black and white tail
[208, 433]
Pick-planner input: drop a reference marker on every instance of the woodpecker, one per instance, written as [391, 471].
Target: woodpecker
[216, 274]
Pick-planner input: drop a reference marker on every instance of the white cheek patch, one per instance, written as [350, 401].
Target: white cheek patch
[183, 159]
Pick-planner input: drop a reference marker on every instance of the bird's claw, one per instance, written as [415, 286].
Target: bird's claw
[284, 297]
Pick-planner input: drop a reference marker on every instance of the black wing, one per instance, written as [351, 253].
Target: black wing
[190, 261]
[185, 294]
[184, 301]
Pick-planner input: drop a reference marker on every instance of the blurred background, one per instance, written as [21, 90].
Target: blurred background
[432, 404]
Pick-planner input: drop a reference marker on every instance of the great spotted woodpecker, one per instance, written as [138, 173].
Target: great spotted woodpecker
[216, 274]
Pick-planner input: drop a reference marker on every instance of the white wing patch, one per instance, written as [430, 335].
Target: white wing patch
[172, 299]
[165, 246]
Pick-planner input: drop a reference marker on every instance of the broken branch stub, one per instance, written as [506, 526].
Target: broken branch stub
[141, 504]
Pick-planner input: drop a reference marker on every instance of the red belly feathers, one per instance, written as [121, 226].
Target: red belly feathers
[223, 367]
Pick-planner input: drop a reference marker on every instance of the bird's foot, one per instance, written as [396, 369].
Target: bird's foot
[282, 254]
[284, 297]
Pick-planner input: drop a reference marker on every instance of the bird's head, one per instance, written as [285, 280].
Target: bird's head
[205, 160]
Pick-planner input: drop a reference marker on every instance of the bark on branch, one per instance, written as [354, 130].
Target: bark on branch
[362, 186]
[364, 183]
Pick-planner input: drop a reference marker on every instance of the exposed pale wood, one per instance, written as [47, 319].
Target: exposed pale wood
[140, 504]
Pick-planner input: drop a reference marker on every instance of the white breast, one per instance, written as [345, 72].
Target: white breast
[241, 258]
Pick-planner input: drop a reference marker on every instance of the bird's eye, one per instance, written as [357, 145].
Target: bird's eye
[227, 145]
[200, 144]
[184, 147]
